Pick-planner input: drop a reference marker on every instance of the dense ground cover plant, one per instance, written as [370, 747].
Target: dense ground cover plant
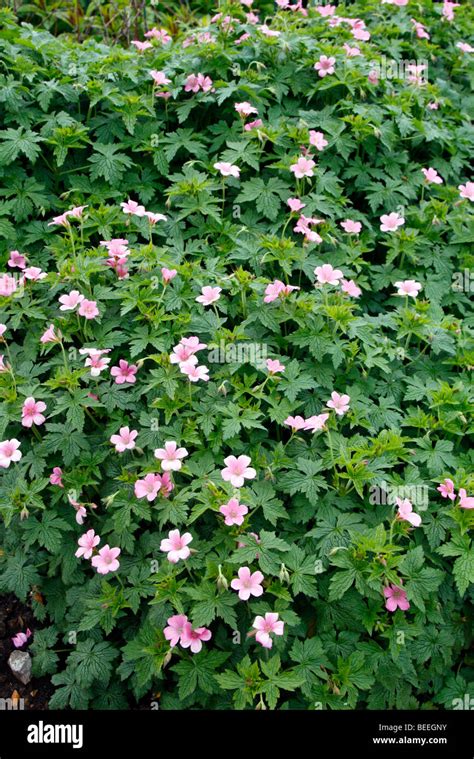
[236, 355]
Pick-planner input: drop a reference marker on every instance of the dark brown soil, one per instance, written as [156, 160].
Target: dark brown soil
[15, 617]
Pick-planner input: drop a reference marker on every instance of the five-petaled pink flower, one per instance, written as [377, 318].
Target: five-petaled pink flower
[466, 191]
[351, 227]
[340, 403]
[248, 584]
[295, 204]
[88, 309]
[133, 208]
[49, 336]
[170, 456]
[234, 512]
[317, 139]
[303, 167]
[9, 451]
[237, 470]
[149, 487]
[193, 638]
[432, 176]
[125, 440]
[168, 274]
[56, 476]
[408, 288]
[16, 260]
[274, 366]
[325, 65]
[295, 422]
[465, 501]
[277, 289]
[349, 287]
[87, 543]
[266, 626]
[396, 598]
[124, 372]
[175, 627]
[31, 412]
[447, 489]
[70, 301]
[209, 295]
[227, 169]
[316, 422]
[326, 275]
[176, 546]
[245, 108]
[21, 638]
[193, 372]
[390, 222]
[106, 560]
[406, 513]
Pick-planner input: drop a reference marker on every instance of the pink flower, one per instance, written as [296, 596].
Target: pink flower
[87, 543]
[465, 47]
[176, 545]
[391, 222]
[316, 422]
[7, 285]
[55, 477]
[125, 440]
[325, 65]
[149, 487]
[396, 598]
[70, 301]
[465, 191]
[193, 372]
[61, 220]
[465, 501]
[76, 212]
[340, 403]
[265, 626]
[154, 218]
[159, 34]
[351, 52]
[349, 286]
[433, 106]
[432, 176]
[124, 372]
[209, 295]
[253, 125]
[227, 169]
[245, 108]
[448, 10]
[406, 513]
[420, 29]
[247, 584]
[21, 638]
[274, 366]
[170, 456]
[96, 360]
[237, 470]
[133, 208]
[106, 560]
[16, 260]
[31, 412]
[34, 274]
[141, 46]
[408, 288]
[196, 82]
[117, 247]
[159, 77]
[373, 77]
[168, 274]
[303, 167]
[175, 628]
[351, 227]
[193, 638]
[326, 275]
[277, 289]
[295, 204]
[9, 452]
[318, 140]
[88, 309]
[234, 512]
[49, 336]
[295, 422]
[447, 489]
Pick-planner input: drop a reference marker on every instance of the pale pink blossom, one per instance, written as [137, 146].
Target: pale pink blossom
[325, 65]
[465, 47]
[34, 274]
[278, 289]
[70, 301]
[351, 52]
[318, 140]
[31, 412]
[186, 349]
[406, 513]
[161, 35]
[340, 403]
[168, 274]
[245, 108]
[420, 29]
[193, 372]
[96, 360]
[266, 626]
[256, 124]
[133, 208]
[465, 501]
[237, 470]
[7, 285]
[466, 191]
[61, 220]
[373, 77]
[295, 204]
[192, 639]
[88, 309]
[209, 295]
[408, 287]
[176, 546]
[21, 638]
[447, 489]
[16, 260]
[327, 275]
[274, 366]
[432, 176]
[125, 440]
[49, 336]
[295, 422]
[268, 32]
[391, 222]
[76, 212]
[56, 476]
[351, 227]
[227, 169]
[234, 512]
[448, 10]
[316, 423]
[106, 560]
[149, 487]
[154, 218]
[170, 456]
[141, 46]
[124, 372]
[349, 287]
[396, 598]
[248, 584]
[9, 451]
[303, 167]
[175, 627]
[159, 77]
[87, 543]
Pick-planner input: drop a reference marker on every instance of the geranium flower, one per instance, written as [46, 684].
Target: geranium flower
[349, 287]
[465, 501]
[88, 309]
[9, 451]
[34, 274]
[318, 140]
[396, 598]
[193, 372]
[96, 360]
[124, 372]
[274, 366]
[87, 543]
[295, 204]
[159, 77]
[447, 489]
[125, 440]
[351, 227]
[49, 336]
[21, 638]
[70, 301]
[176, 546]
[175, 627]
[340, 403]
[432, 176]
[133, 208]
[245, 108]
[170, 456]
[237, 470]
[148, 487]
[7, 285]
[303, 167]
[266, 626]
[390, 222]
[466, 191]
[227, 169]
[277, 289]
[234, 512]
[106, 560]
[168, 274]
[295, 422]
[55, 477]
[193, 638]
[326, 275]
[16, 260]
[141, 46]
[317, 422]
[406, 513]
[209, 295]
[325, 65]
[248, 584]
[31, 412]
[408, 288]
